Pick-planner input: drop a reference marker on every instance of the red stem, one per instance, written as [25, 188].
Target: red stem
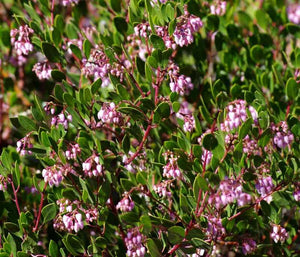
[140, 146]
[257, 202]
[15, 196]
[40, 209]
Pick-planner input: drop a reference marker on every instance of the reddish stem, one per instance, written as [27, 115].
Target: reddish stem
[40, 209]
[15, 196]
[140, 146]
[255, 203]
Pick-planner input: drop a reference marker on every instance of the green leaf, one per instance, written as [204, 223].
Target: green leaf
[157, 42]
[126, 143]
[56, 36]
[176, 234]
[53, 249]
[263, 19]
[74, 244]
[76, 51]
[123, 92]
[265, 137]
[152, 61]
[244, 129]
[87, 46]
[212, 22]
[199, 183]
[11, 227]
[57, 75]
[140, 66]
[58, 93]
[126, 184]
[16, 174]
[292, 89]
[121, 24]
[50, 52]
[257, 53]
[134, 112]
[39, 107]
[27, 123]
[162, 111]
[141, 177]
[49, 212]
[209, 142]
[96, 85]
[59, 23]
[176, 106]
[152, 248]
[115, 5]
[148, 72]
[12, 244]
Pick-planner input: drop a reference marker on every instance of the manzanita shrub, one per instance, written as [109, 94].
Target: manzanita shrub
[149, 128]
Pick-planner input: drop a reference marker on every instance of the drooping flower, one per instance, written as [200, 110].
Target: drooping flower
[134, 243]
[283, 137]
[42, 70]
[20, 39]
[279, 234]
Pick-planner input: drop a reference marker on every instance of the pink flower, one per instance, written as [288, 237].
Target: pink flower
[134, 243]
[42, 70]
[20, 40]
[92, 167]
[125, 205]
[279, 234]
[218, 8]
[283, 137]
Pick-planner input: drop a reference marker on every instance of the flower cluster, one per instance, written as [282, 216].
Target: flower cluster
[53, 175]
[61, 118]
[49, 108]
[179, 83]
[187, 25]
[42, 70]
[168, 40]
[162, 189]
[171, 169]
[20, 39]
[283, 137]
[72, 151]
[126, 204]
[142, 30]
[132, 167]
[248, 246]
[215, 228]
[293, 12]
[23, 145]
[92, 167]
[72, 215]
[237, 114]
[264, 186]
[108, 114]
[134, 243]
[97, 66]
[228, 192]
[218, 8]
[279, 234]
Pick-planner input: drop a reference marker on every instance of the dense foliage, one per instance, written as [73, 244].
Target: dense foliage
[149, 128]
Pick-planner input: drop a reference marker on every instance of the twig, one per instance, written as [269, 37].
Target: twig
[40, 208]
[140, 146]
